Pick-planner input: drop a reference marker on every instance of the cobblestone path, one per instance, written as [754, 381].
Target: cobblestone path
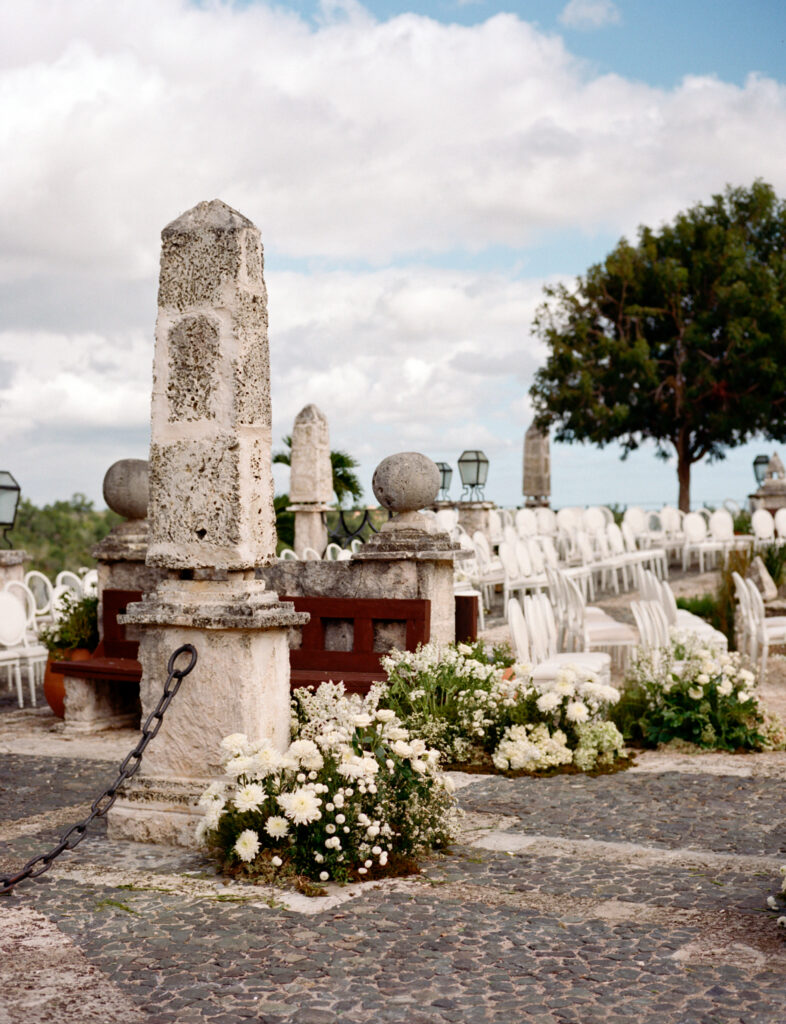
[636, 897]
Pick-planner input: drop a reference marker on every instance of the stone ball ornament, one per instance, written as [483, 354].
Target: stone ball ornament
[127, 487]
[406, 482]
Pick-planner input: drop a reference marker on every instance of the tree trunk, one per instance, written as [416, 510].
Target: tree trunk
[683, 477]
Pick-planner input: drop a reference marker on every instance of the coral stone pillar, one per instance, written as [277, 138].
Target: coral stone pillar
[311, 479]
[211, 522]
[12, 566]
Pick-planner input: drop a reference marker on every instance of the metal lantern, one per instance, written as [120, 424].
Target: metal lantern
[445, 476]
[474, 470]
[760, 464]
[9, 499]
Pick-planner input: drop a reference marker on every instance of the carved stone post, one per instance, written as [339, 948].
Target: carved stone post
[311, 479]
[211, 521]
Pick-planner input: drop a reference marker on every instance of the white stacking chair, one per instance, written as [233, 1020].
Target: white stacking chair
[547, 521]
[653, 589]
[526, 522]
[355, 545]
[534, 577]
[496, 526]
[288, 555]
[722, 531]
[766, 630]
[542, 629]
[447, 519]
[311, 555]
[69, 579]
[332, 552]
[780, 525]
[598, 632]
[513, 582]
[697, 542]
[41, 588]
[649, 555]
[763, 528]
[13, 623]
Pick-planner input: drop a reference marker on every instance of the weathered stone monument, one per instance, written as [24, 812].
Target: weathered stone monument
[536, 485]
[211, 522]
[311, 479]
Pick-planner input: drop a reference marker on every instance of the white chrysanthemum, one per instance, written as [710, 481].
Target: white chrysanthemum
[301, 806]
[214, 793]
[247, 845]
[241, 765]
[266, 760]
[250, 797]
[385, 715]
[276, 826]
[362, 720]
[548, 702]
[235, 744]
[696, 692]
[213, 815]
[577, 711]
[306, 753]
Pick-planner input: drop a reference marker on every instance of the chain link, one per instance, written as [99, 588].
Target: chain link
[74, 836]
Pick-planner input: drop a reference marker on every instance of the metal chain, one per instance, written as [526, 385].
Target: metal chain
[74, 836]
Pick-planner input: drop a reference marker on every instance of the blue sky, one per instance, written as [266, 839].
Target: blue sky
[418, 173]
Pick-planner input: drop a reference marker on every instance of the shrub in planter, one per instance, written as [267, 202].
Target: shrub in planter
[77, 626]
[470, 710]
[693, 694]
[352, 798]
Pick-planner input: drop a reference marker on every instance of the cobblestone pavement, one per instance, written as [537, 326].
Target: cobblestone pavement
[639, 896]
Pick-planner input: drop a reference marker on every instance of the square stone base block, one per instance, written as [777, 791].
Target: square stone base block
[164, 811]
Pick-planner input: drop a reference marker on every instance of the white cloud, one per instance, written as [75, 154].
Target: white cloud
[351, 139]
[589, 13]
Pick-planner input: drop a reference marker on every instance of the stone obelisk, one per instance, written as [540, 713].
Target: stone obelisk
[310, 480]
[211, 521]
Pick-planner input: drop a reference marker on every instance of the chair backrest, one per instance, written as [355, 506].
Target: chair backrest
[584, 547]
[288, 555]
[311, 555]
[628, 536]
[763, 525]
[482, 546]
[780, 522]
[495, 526]
[636, 518]
[41, 586]
[568, 519]
[593, 520]
[536, 630]
[546, 545]
[670, 519]
[536, 559]
[547, 520]
[510, 535]
[548, 622]
[741, 593]
[90, 583]
[722, 525]
[615, 539]
[647, 587]
[695, 527]
[526, 522]
[756, 601]
[643, 624]
[69, 579]
[24, 596]
[522, 557]
[13, 620]
[518, 631]
[332, 552]
[507, 555]
[668, 601]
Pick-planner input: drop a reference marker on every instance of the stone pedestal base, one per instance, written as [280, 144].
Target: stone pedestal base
[474, 515]
[96, 705]
[310, 528]
[158, 811]
[240, 684]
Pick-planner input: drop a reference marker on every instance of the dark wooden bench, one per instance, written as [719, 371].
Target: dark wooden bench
[115, 658]
[311, 664]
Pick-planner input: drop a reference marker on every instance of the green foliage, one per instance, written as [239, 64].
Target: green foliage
[707, 606]
[76, 627]
[679, 339]
[704, 699]
[742, 522]
[285, 523]
[61, 535]
[774, 558]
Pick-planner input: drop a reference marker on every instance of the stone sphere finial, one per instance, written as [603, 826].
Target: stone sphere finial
[126, 488]
[406, 482]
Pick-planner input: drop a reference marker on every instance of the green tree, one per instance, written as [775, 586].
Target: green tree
[345, 481]
[61, 535]
[680, 339]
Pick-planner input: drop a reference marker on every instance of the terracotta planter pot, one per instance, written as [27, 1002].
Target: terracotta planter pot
[54, 683]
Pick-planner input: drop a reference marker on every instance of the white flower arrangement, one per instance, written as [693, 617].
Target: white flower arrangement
[352, 794]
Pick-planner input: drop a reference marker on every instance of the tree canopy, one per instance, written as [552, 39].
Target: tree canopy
[61, 535]
[680, 338]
